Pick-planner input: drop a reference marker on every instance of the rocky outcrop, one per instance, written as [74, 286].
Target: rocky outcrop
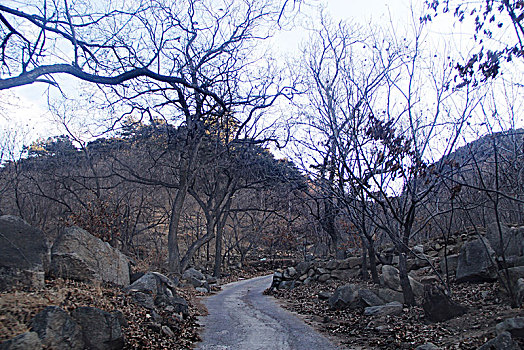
[476, 262]
[78, 255]
[438, 306]
[101, 330]
[23, 254]
[512, 238]
[155, 292]
[57, 330]
[86, 328]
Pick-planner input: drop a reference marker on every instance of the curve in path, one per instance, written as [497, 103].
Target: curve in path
[241, 317]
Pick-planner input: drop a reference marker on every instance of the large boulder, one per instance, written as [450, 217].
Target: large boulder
[389, 295]
[393, 308]
[193, 273]
[345, 297]
[503, 341]
[78, 255]
[476, 262]
[511, 239]
[101, 330]
[452, 262]
[391, 277]
[24, 341]
[57, 330]
[514, 325]
[23, 254]
[438, 306]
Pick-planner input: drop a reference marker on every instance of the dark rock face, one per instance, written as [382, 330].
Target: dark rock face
[511, 239]
[438, 306]
[24, 341]
[514, 325]
[101, 330]
[502, 342]
[23, 254]
[476, 262]
[78, 255]
[370, 298]
[345, 297]
[57, 330]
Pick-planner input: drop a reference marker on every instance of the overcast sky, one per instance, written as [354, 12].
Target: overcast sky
[27, 106]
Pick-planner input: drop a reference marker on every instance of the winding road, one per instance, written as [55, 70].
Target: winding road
[241, 317]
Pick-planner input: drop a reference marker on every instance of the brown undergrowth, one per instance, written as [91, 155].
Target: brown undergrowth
[17, 308]
[350, 328]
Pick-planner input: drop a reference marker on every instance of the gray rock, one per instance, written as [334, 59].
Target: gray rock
[78, 255]
[511, 239]
[389, 295]
[452, 264]
[332, 264]
[302, 267]
[101, 330]
[321, 271]
[23, 254]
[174, 304]
[515, 273]
[24, 341]
[503, 341]
[350, 263]
[369, 298]
[438, 306]
[393, 308]
[514, 325]
[201, 290]
[57, 330]
[427, 346]
[476, 262]
[519, 290]
[153, 283]
[324, 277]
[194, 274]
[418, 249]
[144, 299]
[286, 285]
[167, 331]
[392, 280]
[345, 297]
[289, 273]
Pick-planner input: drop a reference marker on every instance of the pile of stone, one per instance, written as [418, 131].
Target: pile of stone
[319, 271]
[201, 282]
[83, 328]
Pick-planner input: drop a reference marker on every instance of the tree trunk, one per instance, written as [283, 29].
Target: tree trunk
[409, 297]
[373, 263]
[364, 270]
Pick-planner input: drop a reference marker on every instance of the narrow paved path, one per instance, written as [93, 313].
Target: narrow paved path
[241, 317]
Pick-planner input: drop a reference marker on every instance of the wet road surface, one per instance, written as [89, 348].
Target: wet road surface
[241, 317]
